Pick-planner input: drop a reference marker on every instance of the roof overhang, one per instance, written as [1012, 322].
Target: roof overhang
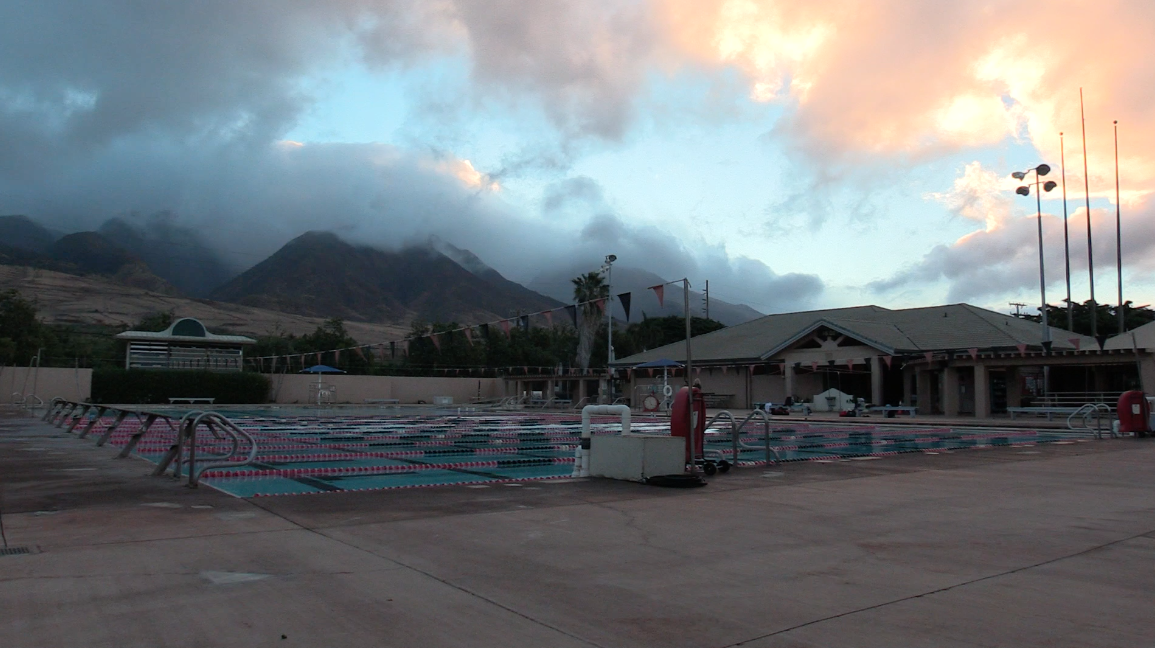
[825, 323]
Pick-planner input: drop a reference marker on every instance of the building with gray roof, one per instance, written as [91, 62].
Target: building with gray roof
[952, 359]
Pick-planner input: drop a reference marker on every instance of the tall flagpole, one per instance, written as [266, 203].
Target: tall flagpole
[1090, 250]
[1066, 239]
[1118, 233]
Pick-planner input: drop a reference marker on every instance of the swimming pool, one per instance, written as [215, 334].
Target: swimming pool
[302, 453]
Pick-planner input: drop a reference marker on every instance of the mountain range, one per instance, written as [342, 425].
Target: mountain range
[320, 275]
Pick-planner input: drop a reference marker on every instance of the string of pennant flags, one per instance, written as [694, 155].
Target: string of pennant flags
[505, 325]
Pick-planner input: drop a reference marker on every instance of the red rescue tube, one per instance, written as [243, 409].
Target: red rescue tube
[679, 423]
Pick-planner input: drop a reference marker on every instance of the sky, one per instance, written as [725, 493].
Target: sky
[796, 155]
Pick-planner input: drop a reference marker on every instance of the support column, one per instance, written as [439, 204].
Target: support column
[603, 391]
[950, 389]
[1146, 371]
[749, 386]
[925, 404]
[549, 391]
[982, 392]
[788, 373]
[907, 387]
[876, 380]
[581, 391]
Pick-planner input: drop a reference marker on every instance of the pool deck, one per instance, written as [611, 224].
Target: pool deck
[1048, 545]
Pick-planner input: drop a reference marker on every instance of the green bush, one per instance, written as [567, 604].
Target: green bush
[141, 386]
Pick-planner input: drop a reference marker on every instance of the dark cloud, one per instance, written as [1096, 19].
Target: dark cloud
[109, 108]
[1004, 261]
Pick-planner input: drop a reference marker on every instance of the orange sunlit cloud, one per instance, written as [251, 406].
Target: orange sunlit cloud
[901, 78]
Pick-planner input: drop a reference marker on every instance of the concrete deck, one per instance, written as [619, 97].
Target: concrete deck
[1018, 546]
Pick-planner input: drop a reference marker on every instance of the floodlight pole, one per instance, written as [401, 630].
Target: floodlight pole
[1066, 237]
[689, 381]
[1042, 275]
[609, 268]
[1119, 234]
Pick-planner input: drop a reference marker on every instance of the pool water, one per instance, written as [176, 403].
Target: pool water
[300, 454]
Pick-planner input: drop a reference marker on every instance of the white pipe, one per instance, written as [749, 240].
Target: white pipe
[581, 467]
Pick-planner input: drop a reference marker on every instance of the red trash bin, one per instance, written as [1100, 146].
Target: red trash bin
[1134, 413]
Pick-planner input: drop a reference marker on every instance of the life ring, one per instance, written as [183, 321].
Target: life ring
[668, 390]
[650, 403]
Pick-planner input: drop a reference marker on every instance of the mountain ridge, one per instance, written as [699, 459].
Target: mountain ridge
[319, 274]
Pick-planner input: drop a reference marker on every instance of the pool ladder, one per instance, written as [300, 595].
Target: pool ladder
[1080, 419]
[736, 433]
[184, 451]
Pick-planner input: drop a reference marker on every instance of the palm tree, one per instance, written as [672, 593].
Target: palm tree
[586, 289]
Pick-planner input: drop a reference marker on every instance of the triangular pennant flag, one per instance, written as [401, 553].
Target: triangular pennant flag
[572, 311]
[888, 360]
[359, 352]
[814, 366]
[849, 363]
[624, 298]
[650, 370]
[629, 374]
[505, 327]
[318, 357]
[697, 371]
[724, 369]
[337, 356]
[548, 317]
[974, 353]
[436, 341]
[469, 335]
[526, 370]
[1075, 342]
[929, 355]
[601, 304]
[660, 291]
[1022, 349]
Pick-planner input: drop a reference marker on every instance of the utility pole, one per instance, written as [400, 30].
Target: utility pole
[1018, 308]
[706, 297]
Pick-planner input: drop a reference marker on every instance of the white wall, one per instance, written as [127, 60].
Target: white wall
[46, 382]
[294, 388]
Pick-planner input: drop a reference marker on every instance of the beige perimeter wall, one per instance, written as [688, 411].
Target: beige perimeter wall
[46, 382]
[295, 388]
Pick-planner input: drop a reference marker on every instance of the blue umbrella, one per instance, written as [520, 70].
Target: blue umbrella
[322, 369]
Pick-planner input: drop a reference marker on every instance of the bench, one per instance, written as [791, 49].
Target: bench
[190, 400]
[909, 410]
[1048, 411]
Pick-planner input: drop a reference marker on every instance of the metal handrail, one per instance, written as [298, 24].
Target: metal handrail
[766, 428]
[1084, 414]
[230, 429]
[220, 427]
[733, 435]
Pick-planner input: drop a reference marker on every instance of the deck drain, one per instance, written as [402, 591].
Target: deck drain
[14, 551]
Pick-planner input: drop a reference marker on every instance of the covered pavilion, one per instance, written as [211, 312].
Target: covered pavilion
[186, 344]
